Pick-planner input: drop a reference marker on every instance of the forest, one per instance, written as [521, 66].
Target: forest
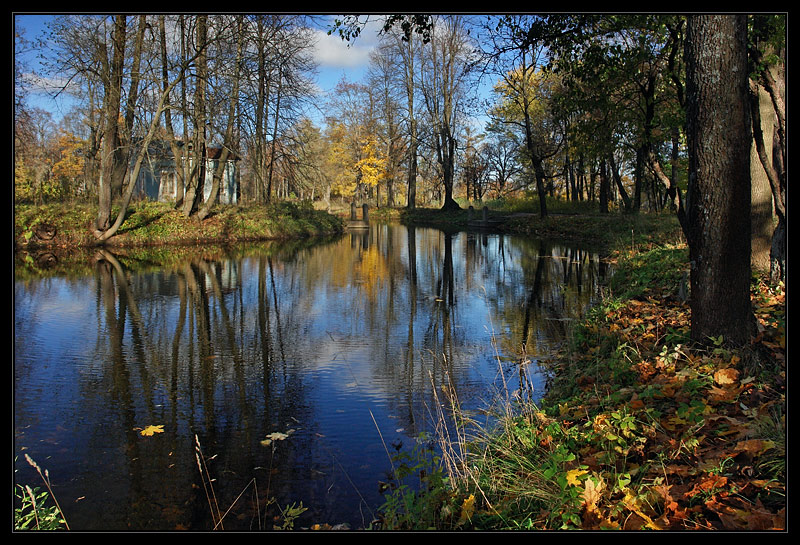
[612, 115]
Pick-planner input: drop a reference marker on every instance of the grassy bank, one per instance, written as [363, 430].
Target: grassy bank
[154, 223]
[566, 221]
[640, 428]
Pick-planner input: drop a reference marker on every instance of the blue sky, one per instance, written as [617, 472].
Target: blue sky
[336, 58]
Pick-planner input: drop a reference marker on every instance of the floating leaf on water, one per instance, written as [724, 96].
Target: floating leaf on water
[151, 430]
[275, 436]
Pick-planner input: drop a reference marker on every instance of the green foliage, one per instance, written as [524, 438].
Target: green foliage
[421, 505]
[33, 513]
[30, 509]
[288, 516]
[658, 270]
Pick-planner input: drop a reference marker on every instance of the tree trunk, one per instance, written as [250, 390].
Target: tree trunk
[603, 187]
[113, 96]
[718, 135]
[228, 140]
[411, 201]
[626, 200]
[274, 135]
[194, 190]
[761, 214]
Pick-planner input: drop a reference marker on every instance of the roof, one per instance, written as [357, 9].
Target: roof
[216, 153]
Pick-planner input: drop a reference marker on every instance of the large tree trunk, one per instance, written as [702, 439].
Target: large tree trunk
[769, 130]
[448, 168]
[718, 134]
[113, 96]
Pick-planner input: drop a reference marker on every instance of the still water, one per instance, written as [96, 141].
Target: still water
[346, 347]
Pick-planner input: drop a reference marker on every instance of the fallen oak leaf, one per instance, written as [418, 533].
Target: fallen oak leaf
[592, 492]
[274, 436]
[467, 509]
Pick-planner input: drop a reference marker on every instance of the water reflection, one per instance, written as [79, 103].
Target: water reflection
[346, 347]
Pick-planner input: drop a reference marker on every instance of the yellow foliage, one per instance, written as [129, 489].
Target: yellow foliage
[372, 166]
[151, 430]
[70, 165]
[467, 509]
[573, 474]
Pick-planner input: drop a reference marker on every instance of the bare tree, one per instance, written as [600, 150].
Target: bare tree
[444, 85]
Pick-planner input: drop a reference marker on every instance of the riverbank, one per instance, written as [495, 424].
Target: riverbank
[154, 223]
[569, 224]
[640, 428]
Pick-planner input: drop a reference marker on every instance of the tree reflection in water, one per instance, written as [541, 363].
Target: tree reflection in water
[345, 347]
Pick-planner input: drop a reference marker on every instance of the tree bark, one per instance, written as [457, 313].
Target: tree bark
[113, 96]
[718, 135]
[194, 190]
[761, 216]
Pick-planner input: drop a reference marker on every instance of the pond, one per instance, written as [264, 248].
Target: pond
[292, 373]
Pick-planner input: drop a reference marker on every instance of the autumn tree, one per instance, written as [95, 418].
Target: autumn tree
[70, 165]
[229, 80]
[339, 162]
[719, 139]
[516, 55]
[353, 117]
[523, 105]
[407, 49]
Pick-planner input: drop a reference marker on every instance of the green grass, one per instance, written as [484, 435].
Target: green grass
[152, 223]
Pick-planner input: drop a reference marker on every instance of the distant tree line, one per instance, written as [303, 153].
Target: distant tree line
[593, 107]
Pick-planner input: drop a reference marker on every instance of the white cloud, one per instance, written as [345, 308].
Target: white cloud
[334, 52]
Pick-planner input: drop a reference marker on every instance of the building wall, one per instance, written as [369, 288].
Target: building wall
[164, 187]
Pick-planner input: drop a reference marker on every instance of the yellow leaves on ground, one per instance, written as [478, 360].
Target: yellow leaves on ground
[573, 474]
[467, 509]
[152, 430]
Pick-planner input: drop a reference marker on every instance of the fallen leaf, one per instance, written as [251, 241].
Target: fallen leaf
[573, 474]
[151, 430]
[726, 376]
[754, 447]
[467, 509]
[592, 493]
[274, 436]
